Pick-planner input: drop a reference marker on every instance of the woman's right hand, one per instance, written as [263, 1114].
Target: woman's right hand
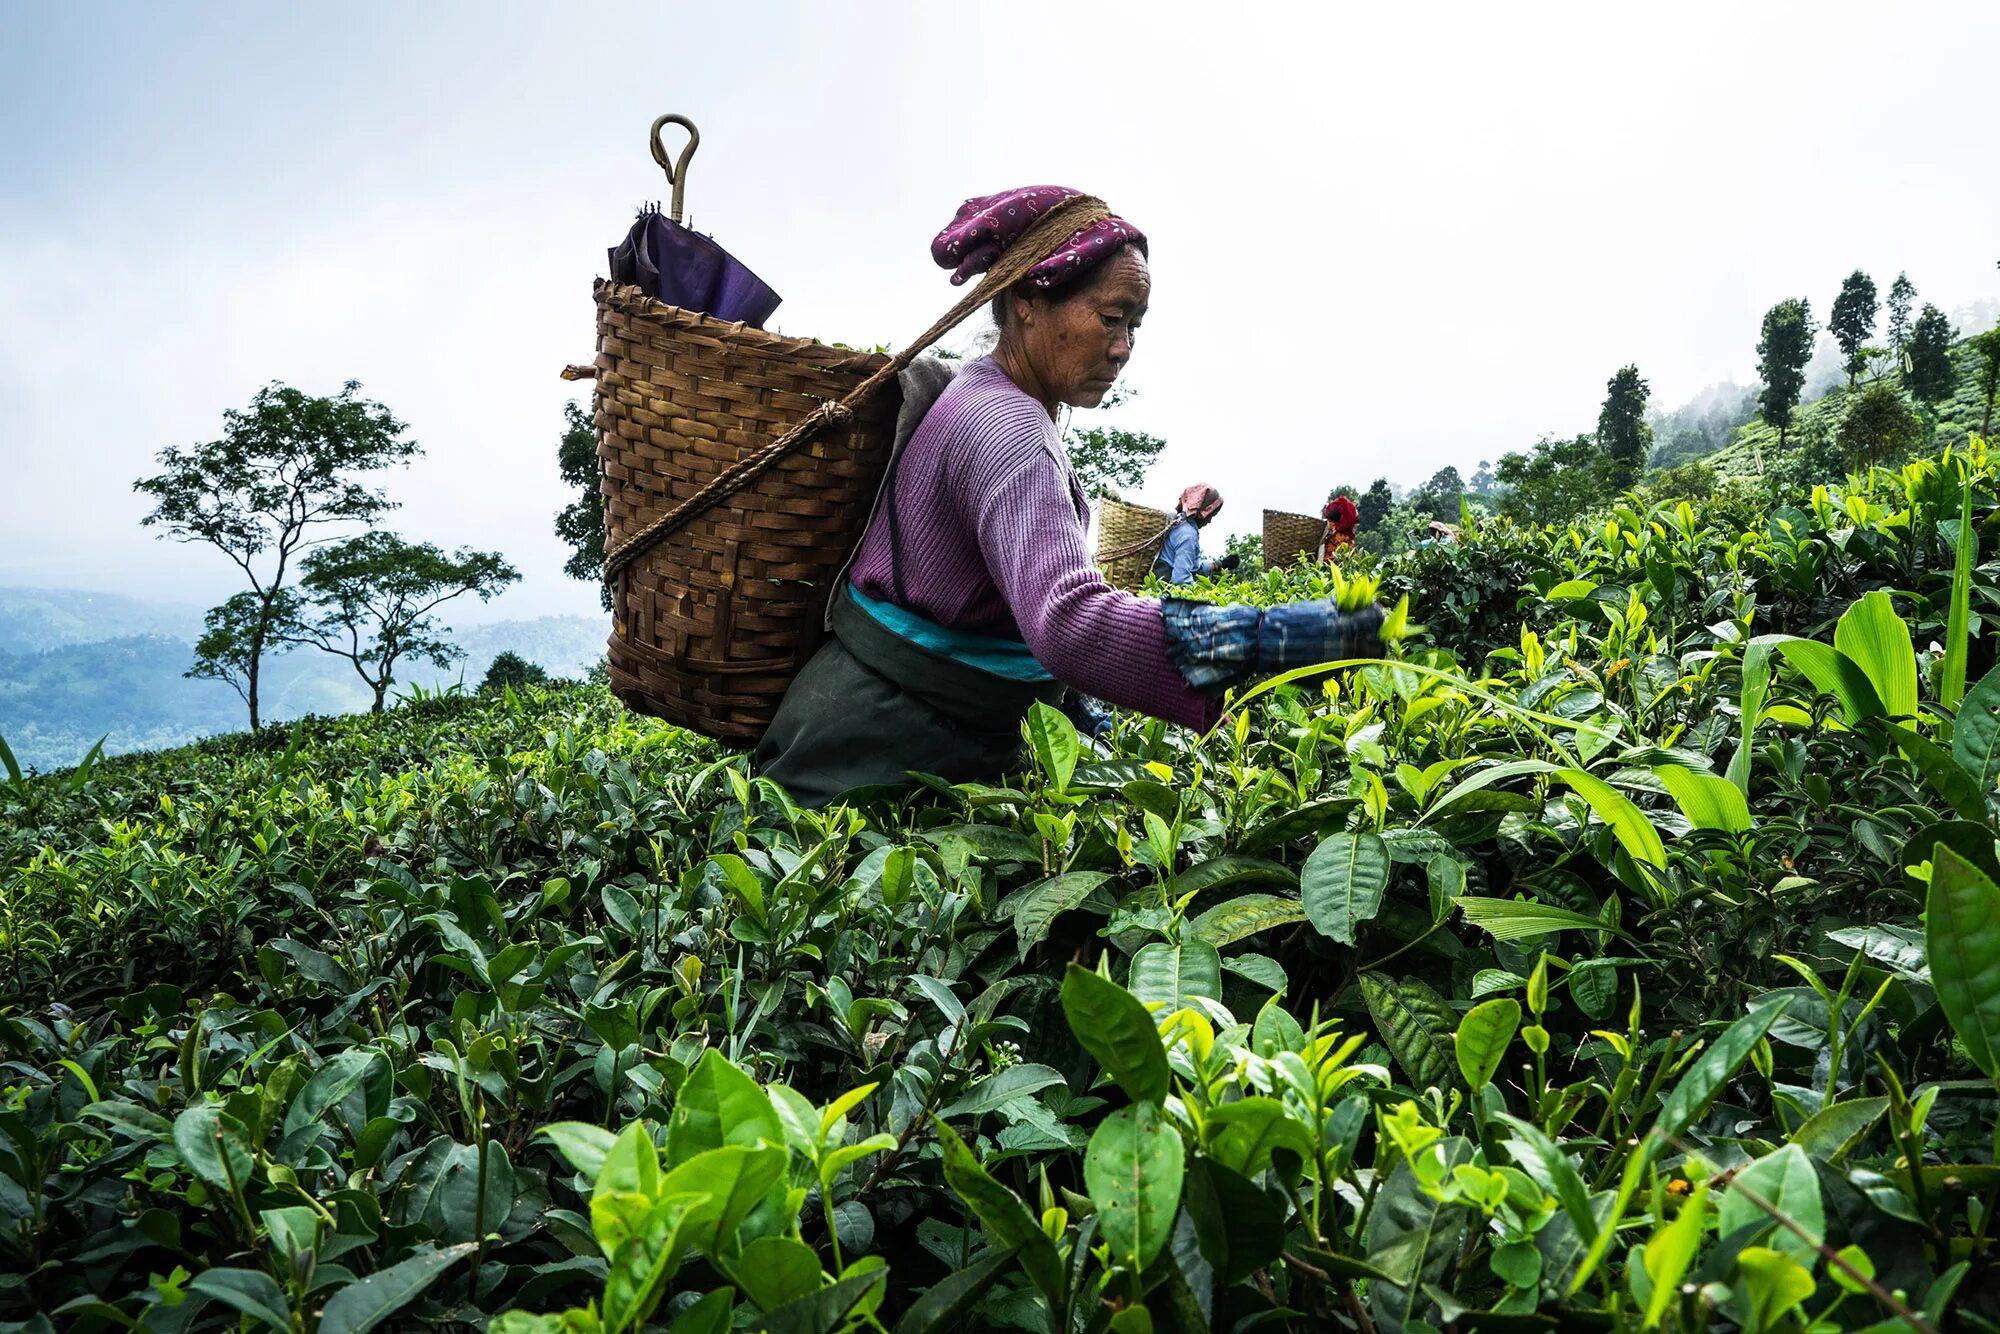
[1300, 634]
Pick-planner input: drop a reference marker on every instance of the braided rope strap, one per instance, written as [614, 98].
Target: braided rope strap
[1136, 547]
[1049, 234]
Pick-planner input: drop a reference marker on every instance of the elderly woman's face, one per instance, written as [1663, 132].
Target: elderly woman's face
[1079, 343]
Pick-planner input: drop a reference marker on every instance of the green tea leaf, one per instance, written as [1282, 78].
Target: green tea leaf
[1038, 906]
[1716, 1066]
[1115, 1028]
[1133, 1169]
[1785, 1180]
[1877, 640]
[1169, 974]
[1830, 1132]
[1052, 737]
[1483, 1037]
[1231, 869]
[1000, 1088]
[363, 1305]
[1671, 1251]
[718, 1105]
[1975, 735]
[1343, 882]
[1001, 1210]
[1244, 916]
[1962, 935]
[1520, 919]
[945, 1306]
[1707, 801]
[215, 1145]
[1415, 1024]
[250, 1291]
[1241, 1135]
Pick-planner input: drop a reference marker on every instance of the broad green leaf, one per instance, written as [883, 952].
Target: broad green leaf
[1716, 1066]
[1342, 883]
[1052, 737]
[582, 1144]
[1965, 549]
[1750, 706]
[1133, 1169]
[1115, 1028]
[1962, 936]
[1899, 949]
[1482, 1039]
[1000, 1088]
[1541, 1158]
[363, 1305]
[1241, 1135]
[1038, 906]
[1774, 1282]
[1313, 818]
[1232, 869]
[1412, 1235]
[136, 1121]
[719, 1104]
[1784, 1180]
[1001, 1210]
[1940, 770]
[729, 1182]
[1671, 1251]
[1415, 1024]
[215, 1145]
[1707, 801]
[1830, 1132]
[1169, 974]
[1239, 1226]
[250, 1291]
[631, 1166]
[1832, 673]
[947, 1304]
[775, 1270]
[1244, 916]
[1519, 919]
[1877, 639]
[1975, 736]
[1629, 824]
[826, 1310]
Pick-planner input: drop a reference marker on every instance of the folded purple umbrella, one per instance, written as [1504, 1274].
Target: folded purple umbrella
[680, 266]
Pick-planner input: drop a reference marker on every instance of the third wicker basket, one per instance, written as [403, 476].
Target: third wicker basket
[1287, 536]
[1129, 538]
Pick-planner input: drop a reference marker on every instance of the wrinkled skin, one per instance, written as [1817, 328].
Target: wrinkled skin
[1070, 349]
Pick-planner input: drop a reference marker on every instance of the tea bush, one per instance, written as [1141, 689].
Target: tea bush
[1625, 953]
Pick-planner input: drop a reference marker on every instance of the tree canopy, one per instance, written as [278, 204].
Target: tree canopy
[1622, 431]
[1782, 353]
[1852, 322]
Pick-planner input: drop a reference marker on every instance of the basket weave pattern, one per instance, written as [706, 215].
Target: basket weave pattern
[1121, 525]
[713, 621]
[1288, 535]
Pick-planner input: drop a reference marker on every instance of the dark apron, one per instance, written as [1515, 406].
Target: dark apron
[872, 706]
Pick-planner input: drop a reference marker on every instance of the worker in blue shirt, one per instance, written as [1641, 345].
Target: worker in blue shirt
[1180, 559]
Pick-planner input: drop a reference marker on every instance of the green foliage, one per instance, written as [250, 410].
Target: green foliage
[1902, 295]
[580, 523]
[1782, 352]
[1929, 372]
[1622, 432]
[511, 671]
[1617, 954]
[1852, 321]
[1878, 427]
[1559, 481]
[285, 465]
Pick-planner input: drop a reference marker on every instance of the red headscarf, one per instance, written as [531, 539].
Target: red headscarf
[1201, 502]
[1341, 513]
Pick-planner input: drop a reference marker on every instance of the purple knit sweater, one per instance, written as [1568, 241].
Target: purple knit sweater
[992, 523]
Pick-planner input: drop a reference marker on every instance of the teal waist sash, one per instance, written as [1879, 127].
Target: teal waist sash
[1008, 659]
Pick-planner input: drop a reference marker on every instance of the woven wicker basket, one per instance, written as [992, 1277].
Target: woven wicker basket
[740, 469]
[1129, 538]
[1286, 536]
[715, 619]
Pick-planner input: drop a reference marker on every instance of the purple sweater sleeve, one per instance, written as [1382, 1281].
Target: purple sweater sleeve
[1088, 634]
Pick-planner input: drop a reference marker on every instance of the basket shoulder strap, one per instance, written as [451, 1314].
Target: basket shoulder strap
[1048, 235]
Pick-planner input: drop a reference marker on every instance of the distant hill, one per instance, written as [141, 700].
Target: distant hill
[76, 666]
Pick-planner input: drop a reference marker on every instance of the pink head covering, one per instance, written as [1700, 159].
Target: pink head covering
[1201, 501]
[985, 226]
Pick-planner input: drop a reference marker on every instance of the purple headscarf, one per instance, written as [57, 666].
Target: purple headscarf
[984, 227]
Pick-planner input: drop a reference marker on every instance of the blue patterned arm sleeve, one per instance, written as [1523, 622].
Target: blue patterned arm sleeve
[1217, 647]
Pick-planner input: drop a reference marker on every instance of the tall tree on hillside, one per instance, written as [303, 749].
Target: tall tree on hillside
[1442, 495]
[1901, 296]
[1852, 322]
[1374, 505]
[1559, 481]
[1878, 427]
[284, 468]
[372, 597]
[1782, 353]
[1987, 345]
[1929, 373]
[1622, 431]
[1483, 481]
[580, 523]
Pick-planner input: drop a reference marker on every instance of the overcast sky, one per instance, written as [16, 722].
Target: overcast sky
[1384, 238]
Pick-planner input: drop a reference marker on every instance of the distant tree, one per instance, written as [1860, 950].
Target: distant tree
[1878, 426]
[1105, 458]
[580, 523]
[1374, 505]
[372, 597]
[1483, 482]
[1248, 548]
[1622, 431]
[285, 466]
[1930, 375]
[1901, 295]
[511, 669]
[1987, 345]
[1852, 322]
[1440, 496]
[1558, 481]
[1782, 353]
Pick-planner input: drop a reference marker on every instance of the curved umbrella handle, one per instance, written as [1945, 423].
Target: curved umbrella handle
[677, 169]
